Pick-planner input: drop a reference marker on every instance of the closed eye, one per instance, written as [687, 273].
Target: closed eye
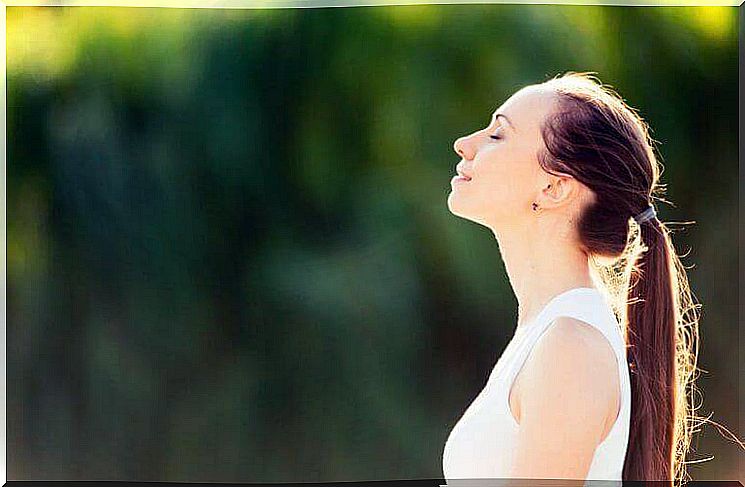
[496, 136]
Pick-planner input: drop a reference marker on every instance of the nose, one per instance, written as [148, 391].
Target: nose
[464, 147]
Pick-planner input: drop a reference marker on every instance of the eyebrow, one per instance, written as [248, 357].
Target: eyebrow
[497, 115]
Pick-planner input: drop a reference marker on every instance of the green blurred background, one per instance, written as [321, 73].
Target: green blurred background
[230, 256]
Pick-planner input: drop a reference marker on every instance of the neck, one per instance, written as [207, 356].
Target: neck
[541, 268]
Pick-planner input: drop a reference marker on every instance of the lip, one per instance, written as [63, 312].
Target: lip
[458, 180]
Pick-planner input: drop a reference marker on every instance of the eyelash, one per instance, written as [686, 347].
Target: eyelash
[495, 136]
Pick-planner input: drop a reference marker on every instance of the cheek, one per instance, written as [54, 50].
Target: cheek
[500, 173]
[507, 176]
[507, 186]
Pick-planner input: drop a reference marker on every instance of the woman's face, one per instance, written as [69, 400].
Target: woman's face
[500, 164]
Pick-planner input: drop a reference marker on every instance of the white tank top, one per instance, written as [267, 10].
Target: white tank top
[480, 446]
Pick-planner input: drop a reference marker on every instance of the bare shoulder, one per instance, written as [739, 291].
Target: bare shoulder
[572, 368]
[577, 348]
[570, 334]
[568, 395]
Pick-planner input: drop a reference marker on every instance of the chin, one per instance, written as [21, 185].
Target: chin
[456, 208]
[453, 205]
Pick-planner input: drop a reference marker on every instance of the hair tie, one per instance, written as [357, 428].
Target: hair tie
[646, 215]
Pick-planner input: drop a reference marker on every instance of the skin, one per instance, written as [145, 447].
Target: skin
[566, 396]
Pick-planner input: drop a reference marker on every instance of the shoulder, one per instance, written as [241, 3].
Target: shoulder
[572, 346]
[566, 397]
[573, 367]
[576, 342]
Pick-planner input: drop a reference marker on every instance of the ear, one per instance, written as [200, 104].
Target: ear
[558, 190]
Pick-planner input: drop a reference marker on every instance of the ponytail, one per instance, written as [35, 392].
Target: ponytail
[662, 342]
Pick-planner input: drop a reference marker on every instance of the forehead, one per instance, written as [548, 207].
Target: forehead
[528, 107]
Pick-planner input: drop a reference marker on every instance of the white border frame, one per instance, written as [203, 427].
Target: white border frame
[222, 4]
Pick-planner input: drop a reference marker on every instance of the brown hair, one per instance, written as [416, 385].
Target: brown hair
[600, 141]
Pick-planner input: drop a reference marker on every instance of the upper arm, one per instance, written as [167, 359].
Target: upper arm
[568, 386]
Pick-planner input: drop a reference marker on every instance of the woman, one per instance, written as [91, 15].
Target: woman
[559, 175]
